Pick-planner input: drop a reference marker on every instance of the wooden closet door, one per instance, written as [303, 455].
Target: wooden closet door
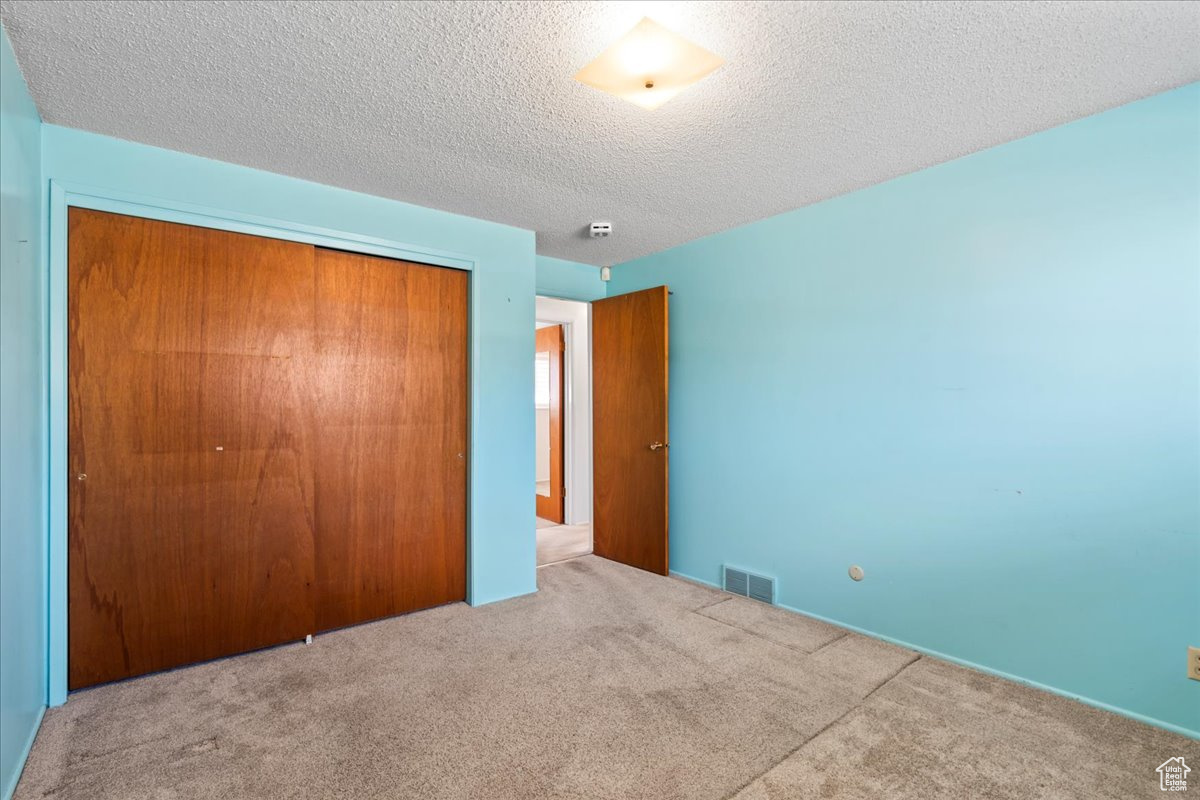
[191, 489]
[390, 422]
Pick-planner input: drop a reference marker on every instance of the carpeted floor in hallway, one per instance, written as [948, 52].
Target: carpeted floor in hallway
[559, 542]
[608, 683]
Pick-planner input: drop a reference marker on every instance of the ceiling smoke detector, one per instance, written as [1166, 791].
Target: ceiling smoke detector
[600, 230]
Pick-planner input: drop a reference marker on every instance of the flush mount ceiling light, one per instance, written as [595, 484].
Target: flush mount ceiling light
[649, 65]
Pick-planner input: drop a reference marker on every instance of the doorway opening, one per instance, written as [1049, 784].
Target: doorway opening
[563, 412]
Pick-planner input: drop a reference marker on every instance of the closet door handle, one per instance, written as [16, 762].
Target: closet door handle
[659, 445]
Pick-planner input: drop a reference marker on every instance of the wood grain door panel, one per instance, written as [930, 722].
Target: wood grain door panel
[273, 439]
[390, 422]
[549, 340]
[629, 429]
[191, 535]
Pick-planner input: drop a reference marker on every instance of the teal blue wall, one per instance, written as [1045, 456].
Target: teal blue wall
[569, 280]
[501, 541]
[22, 425]
[979, 382]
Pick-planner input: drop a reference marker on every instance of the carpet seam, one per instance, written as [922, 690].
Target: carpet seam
[711, 605]
[832, 643]
[825, 728]
[699, 612]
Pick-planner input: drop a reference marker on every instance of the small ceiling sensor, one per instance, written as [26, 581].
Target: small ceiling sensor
[600, 230]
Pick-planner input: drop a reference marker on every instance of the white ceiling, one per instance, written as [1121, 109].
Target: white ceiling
[471, 107]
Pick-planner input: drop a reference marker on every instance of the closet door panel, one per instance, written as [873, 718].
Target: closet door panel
[190, 519]
[390, 432]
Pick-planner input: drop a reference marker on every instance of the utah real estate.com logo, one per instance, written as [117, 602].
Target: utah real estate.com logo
[1172, 775]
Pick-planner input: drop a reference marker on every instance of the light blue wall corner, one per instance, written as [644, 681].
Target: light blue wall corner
[501, 540]
[980, 382]
[22, 424]
[568, 280]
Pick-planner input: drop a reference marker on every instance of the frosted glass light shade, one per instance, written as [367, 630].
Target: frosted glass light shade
[649, 65]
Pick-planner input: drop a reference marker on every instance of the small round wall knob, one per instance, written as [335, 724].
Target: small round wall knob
[856, 572]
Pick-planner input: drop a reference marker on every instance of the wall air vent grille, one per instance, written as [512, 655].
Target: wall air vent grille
[737, 582]
[762, 589]
[747, 584]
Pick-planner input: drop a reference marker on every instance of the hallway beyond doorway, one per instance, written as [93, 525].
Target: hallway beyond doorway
[559, 542]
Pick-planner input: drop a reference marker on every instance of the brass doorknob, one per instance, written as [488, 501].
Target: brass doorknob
[658, 445]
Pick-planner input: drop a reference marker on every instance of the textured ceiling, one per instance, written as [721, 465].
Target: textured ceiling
[471, 107]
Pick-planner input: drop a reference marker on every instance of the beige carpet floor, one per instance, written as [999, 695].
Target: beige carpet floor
[607, 683]
[559, 542]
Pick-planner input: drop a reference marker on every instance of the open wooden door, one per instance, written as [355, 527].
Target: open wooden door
[549, 355]
[629, 428]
